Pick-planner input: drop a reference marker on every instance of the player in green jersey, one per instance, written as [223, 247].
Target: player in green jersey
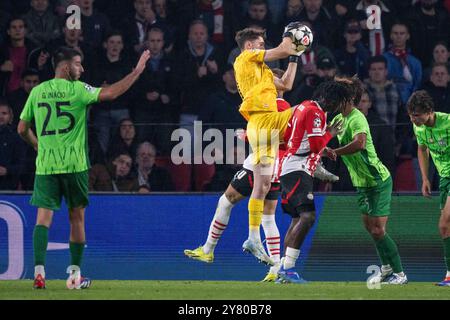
[372, 180]
[432, 130]
[59, 109]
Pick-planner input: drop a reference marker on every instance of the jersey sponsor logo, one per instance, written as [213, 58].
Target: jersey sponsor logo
[442, 143]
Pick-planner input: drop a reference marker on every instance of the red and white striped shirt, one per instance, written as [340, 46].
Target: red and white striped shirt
[305, 136]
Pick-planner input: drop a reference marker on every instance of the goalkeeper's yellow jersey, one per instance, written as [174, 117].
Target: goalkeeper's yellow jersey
[255, 83]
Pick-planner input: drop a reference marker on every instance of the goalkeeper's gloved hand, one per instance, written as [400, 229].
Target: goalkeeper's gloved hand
[288, 30]
[294, 58]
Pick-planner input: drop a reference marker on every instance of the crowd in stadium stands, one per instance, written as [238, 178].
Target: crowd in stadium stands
[190, 77]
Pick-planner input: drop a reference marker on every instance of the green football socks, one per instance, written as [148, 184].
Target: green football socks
[40, 241]
[76, 253]
[388, 248]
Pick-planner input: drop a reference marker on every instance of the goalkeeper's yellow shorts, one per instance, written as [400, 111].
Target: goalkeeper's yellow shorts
[264, 132]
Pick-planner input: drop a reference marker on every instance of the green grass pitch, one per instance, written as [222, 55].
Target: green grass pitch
[219, 290]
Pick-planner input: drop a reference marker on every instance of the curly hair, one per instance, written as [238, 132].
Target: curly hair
[356, 86]
[333, 96]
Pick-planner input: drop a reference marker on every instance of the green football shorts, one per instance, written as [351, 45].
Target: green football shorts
[376, 201]
[444, 191]
[49, 190]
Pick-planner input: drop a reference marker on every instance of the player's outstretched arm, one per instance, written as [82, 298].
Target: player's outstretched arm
[120, 87]
[23, 129]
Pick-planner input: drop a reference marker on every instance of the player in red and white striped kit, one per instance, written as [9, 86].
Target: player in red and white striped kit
[240, 188]
[306, 137]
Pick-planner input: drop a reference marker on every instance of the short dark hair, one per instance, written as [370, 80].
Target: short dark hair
[14, 18]
[29, 72]
[333, 96]
[376, 59]
[64, 54]
[113, 33]
[400, 23]
[257, 3]
[248, 34]
[420, 102]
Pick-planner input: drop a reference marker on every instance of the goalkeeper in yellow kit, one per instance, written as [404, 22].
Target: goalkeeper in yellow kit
[265, 128]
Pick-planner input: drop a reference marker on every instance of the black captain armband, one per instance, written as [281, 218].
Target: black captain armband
[293, 59]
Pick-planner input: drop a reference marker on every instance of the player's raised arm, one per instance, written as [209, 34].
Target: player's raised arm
[284, 50]
[120, 87]
[286, 82]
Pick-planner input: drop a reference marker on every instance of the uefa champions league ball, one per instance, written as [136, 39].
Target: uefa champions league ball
[302, 38]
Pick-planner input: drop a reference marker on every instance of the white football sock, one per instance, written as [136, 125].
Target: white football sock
[39, 269]
[218, 223]
[290, 257]
[272, 236]
[448, 274]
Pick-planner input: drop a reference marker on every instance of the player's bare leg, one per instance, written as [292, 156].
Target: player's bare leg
[444, 230]
[262, 175]
[218, 225]
[40, 242]
[294, 239]
[391, 269]
[76, 244]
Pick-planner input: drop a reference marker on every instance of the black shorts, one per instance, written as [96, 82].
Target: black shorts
[297, 193]
[243, 183]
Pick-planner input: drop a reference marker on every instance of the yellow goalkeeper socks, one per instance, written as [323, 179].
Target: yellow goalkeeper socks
[255, 212]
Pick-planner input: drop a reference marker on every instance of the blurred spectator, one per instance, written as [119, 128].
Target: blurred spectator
[116, 10]
[438, 87]
[223, 19]
[382, 134]
[17, 98]
[12, 150]
[125, 140]
[326, 70]
[136, 27]
[375, 39]
[322, 21]
[258, 14]
[383, 93]
[292, 12]
[4, 18]
[276, 8]
[429, 24]
[441, 55]
[352, 58]
[221, 108]
[111, 67]
[144, 189]
[73, 38]
[115, 176]
[403, 68]
[224, 173]
[156, 178]
[42, 24]
[13, 56]
[156, 95]
[198, 71]
[166, 21]
[95, 24]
